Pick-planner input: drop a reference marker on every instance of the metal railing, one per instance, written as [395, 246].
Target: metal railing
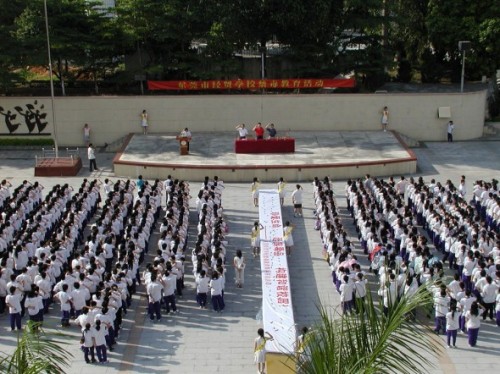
[71, 155]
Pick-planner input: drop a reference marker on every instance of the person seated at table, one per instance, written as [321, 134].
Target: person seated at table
[259, 131]
[243, 132]
[271, 130]
[186, 134]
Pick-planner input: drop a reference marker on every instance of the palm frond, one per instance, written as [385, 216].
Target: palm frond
[370, 341]
[36, 353]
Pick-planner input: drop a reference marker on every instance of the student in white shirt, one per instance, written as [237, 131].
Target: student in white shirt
[297, 201]
[346, 291]
[100, 333]
[288, 237]
[65, 300]
[154, 289]
[473, 322]
[452, 325]
[488, 294]
[255, 239]
[216, 292]
[281, 190]
[88, 343]
[441, 306]
[239, 268]
[202, 287]
[13, 302]
[169, 281]
[32, 305]
[78, 299]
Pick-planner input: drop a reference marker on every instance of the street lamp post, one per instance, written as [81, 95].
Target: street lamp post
[56, 146]
[463, 46]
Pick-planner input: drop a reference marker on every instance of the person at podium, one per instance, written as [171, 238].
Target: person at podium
[259, 131]
[186, 134]
[271, 131]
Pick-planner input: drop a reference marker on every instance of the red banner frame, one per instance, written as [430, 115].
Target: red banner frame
[251, 84]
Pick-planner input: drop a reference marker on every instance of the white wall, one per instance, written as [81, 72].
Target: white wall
[110, 118]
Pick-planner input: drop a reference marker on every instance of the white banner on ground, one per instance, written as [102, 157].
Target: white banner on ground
[277, 311]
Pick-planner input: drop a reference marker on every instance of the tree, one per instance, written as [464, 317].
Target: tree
[9, 48]
[450, 21]
[83, 38]
[369, 342]
[35, 353]
[161, 33]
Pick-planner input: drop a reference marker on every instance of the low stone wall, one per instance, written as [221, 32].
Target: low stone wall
[110, 118]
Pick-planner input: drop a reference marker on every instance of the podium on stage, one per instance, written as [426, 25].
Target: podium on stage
[183, 145]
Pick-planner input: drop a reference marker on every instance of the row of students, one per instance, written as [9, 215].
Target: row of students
[210, 250]
[164, 278]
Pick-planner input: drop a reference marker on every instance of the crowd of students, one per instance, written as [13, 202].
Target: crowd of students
[165, 276]
[410, 229]
[347, 276]
[47, 257]
[209, 253]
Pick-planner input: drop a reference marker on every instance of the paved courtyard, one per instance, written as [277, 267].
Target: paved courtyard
[198, 341]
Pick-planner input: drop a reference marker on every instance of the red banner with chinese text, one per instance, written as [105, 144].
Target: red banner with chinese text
[251, 84]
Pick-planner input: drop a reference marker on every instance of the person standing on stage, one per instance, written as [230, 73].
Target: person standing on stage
[86, 134]
[449, 131]
[144, 121]
[243, 132]
[271, 130]
[385, 118]
[259, 131]
[186, 134]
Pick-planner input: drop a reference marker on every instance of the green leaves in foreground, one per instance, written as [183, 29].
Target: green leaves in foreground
[370, 342]
[36, 353]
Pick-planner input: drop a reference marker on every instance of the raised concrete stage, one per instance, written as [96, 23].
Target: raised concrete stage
[339, 155]
[58, 167]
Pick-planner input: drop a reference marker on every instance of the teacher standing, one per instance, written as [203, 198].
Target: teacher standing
[259, 131]
[271, 130]
[242, 131]
[186, 134]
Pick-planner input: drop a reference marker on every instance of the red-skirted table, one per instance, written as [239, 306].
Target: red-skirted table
[273, 145]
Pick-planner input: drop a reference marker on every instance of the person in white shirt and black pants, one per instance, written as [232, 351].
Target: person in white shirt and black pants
[91, 157]
[450, 128]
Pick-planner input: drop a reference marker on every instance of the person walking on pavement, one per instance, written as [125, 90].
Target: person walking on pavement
[91, 157]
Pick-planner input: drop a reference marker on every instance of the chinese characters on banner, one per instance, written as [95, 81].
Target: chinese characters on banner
[277, 311]
[252, 84]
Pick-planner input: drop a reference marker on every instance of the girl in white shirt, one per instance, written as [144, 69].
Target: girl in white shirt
[88, 342]
[216, 292]
[239, 268]
[473, 323]
[100, 332]
[452, 324]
